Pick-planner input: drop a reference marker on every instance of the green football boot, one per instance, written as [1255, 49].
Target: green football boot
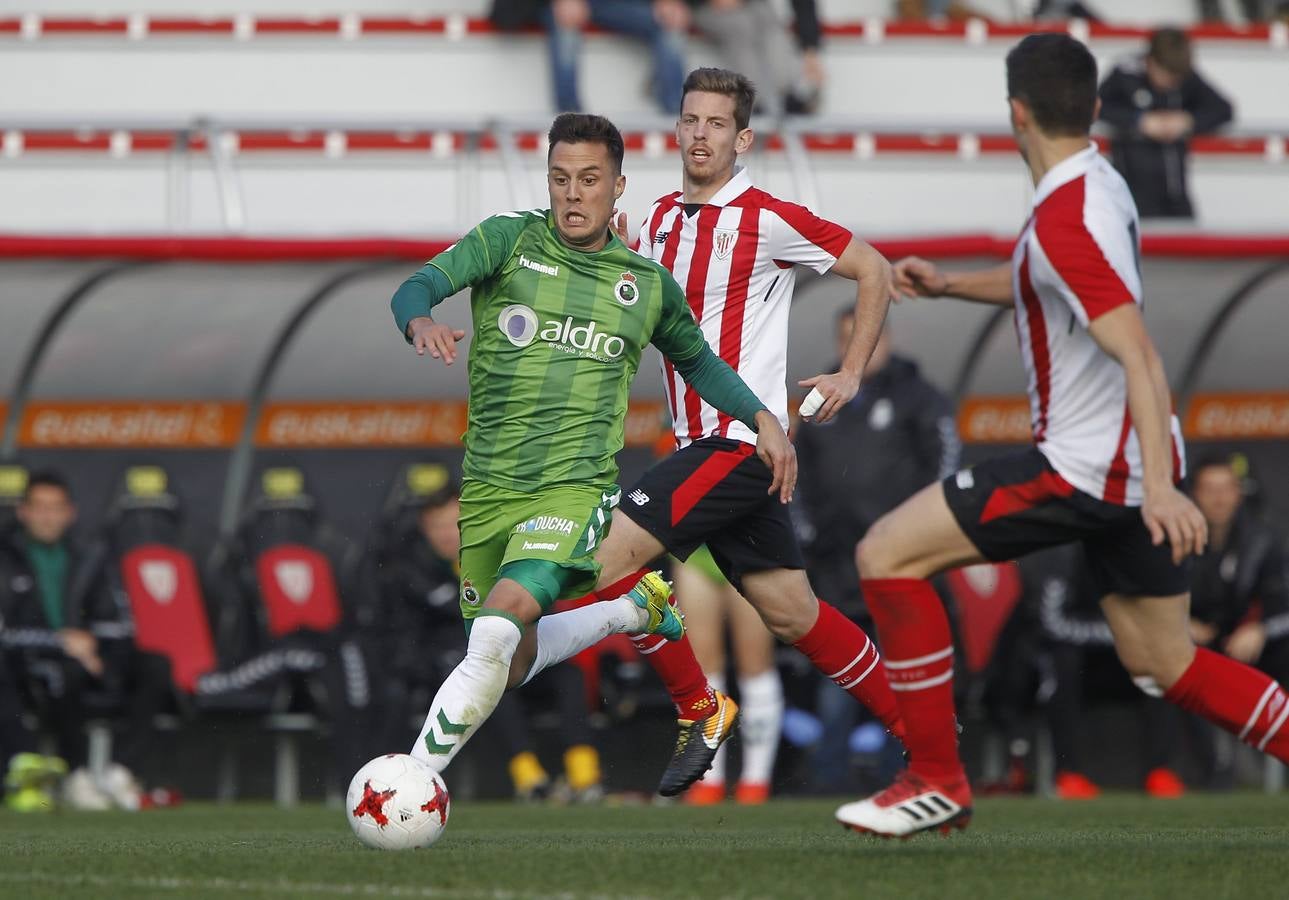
[653, 593]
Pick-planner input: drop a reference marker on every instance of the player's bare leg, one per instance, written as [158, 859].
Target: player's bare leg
[916, 540]
[1152, 637]
[835, 645]
[761, 696]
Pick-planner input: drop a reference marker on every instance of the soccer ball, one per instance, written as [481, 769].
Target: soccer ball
[396, 802]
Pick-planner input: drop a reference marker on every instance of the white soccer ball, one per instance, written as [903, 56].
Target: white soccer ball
[396, 802]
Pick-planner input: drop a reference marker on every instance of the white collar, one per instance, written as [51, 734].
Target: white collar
[1064, 172]
[732, 189]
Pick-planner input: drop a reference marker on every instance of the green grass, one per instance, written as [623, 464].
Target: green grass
[1230, 846]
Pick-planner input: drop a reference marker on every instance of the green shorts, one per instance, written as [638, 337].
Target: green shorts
[562, 525]
[701, 560]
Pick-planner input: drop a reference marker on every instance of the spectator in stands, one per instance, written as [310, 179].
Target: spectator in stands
[1154, 103]
[896, 436]
[1240, 585]
[663, 24]
[49, 652]
[422, 640]
[753, 40]
[1211, 10]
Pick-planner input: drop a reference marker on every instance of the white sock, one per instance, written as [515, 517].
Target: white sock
[761, 706]
[470, 693]
[715, 776]
[569, 633]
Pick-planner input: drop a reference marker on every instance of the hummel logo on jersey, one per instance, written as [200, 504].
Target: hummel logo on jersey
[538, 267]
[638, 497]
[661, 237]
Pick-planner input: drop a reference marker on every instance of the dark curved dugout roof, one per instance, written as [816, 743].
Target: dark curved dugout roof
[196, 330]
[173, 331]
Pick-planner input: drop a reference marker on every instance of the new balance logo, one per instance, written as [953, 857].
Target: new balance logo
[661, 237]
[538, 267]
[638, 497]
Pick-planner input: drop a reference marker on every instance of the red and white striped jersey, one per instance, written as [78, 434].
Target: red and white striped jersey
[734, 256]
[1077, 259]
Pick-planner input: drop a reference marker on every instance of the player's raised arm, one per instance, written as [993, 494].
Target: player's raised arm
[1167, 512]
[916, 277]
[474, 258]
[684, 346]
[830, 392]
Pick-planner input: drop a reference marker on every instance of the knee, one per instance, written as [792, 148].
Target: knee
[509, 598]
[1155, 670]
[873, 556]
[790, 622]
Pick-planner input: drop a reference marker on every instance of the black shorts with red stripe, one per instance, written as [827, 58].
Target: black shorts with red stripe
[715, 491]
[1013, 505]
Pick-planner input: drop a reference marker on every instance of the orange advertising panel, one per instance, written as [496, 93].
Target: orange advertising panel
[995, 420]
[409, 423]
[1226, 416]
[155, 424]
[403, 423]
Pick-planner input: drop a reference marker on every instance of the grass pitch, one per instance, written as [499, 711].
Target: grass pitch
[1230, 846]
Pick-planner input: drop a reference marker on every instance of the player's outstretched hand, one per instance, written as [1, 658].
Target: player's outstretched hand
[915, 277]
[437, 338]
[1171, 516]
[830, 393]
[777, 452]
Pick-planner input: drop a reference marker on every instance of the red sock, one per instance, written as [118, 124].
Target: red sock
[1244, 701]
[674, 661]
[914, 631]
[840, 650]
[676, 665]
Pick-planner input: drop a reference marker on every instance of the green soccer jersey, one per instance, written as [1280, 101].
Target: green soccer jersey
[558, 335]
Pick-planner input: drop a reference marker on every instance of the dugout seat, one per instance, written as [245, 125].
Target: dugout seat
[13, 481]
[158, 576]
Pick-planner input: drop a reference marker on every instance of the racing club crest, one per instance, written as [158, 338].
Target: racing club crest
[626, 290]
[723, 241]
[469, 594]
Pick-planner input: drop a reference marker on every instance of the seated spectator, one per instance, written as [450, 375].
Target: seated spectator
[422, 640]
[663, 24]
[1154, 103]
[49, 654]
[753, 40]
[1240, 585]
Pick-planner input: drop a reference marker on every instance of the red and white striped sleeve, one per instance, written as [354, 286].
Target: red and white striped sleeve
[1093, 252]
[797, 235]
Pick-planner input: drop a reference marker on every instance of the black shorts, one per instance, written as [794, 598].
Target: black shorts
[716, 492]
[1013, 505]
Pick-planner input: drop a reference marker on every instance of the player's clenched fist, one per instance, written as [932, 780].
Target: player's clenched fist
[777, 452]
[915, 277]
[437, 338]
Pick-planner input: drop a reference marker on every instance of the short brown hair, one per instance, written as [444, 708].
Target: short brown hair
[1056, 77]
[723, 81]
[581, 128]
[1171, 49]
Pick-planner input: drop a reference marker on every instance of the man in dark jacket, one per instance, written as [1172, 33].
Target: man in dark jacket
[895, 437]
[1154, 104]
[48, 650]
[1240, 585]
